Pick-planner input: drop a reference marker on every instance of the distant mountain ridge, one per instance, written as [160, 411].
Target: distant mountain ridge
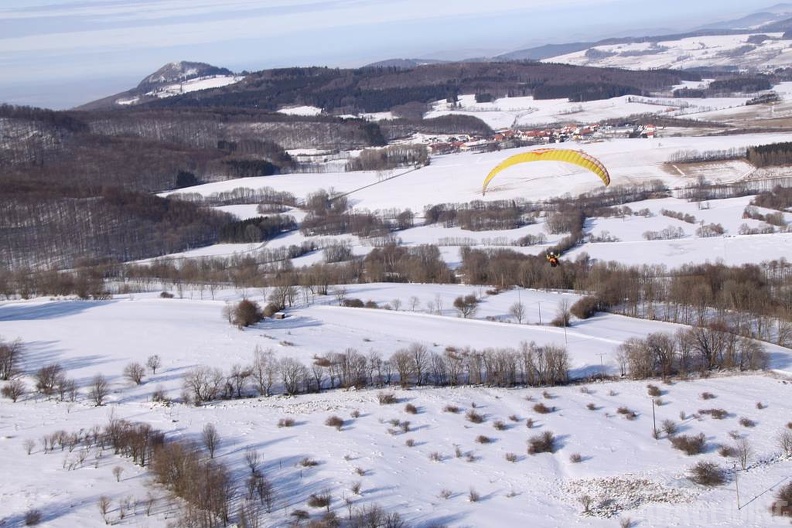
[203, 84]
[174, 78]
[181, 71]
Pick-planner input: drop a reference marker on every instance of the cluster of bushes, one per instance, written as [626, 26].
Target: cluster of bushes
[669, 233]
[779, 198]
[476, 215]
[775, 219]
[685, 217]
[710, 230]
[389, 157]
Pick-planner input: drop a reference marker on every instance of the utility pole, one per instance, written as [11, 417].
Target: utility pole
[654, 421]
[736, 485]
[540, 312]
[602, 365]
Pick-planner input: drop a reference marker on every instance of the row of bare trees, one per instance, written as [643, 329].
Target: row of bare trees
[688, 351]
[415, 365]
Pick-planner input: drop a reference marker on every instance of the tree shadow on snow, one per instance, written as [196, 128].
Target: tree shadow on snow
[50, 310]
[49, 512]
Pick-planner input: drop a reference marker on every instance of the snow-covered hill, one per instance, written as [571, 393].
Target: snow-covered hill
[747, 51]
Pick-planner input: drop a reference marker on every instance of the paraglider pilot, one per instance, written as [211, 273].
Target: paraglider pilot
[552, 258]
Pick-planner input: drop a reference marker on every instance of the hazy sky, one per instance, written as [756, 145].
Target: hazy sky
[61, 53]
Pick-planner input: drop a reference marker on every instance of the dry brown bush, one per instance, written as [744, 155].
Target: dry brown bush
[474, 417]
[386, 398]
[707, 474]
[690, 445]
[541, 408]
[542, 443]
[335, 421]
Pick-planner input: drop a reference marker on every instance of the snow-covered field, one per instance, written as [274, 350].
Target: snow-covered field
[430, 469]
[621, 461]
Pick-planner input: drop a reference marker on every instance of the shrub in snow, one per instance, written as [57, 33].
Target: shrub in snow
[32, 517]
[286, 422]
[473, 495]
[718, 414]
[386, 398]
[690, 445]
[320, 500]
[542, 443]
[335, 421]
[707, 474]
[669, 427]
[747, 422]
[473, 416]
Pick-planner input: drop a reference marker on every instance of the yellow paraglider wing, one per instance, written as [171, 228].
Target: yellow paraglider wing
[575, 157]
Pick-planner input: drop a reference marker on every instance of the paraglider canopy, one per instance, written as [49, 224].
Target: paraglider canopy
[575, 157]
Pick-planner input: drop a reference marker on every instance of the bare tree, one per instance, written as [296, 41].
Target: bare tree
[420, 360]
[252, 460]
[785, 442]
[414, 302]
[211, 439]
[203, 383]
[134, 372]
[467, 305]
[563, 314]
[293, 374]
[237, 380]
[104, 507]
[14, 389]
[153, 362]
[744, 451]
[47, 378]
[403, 361]
[517, 310]
[10, 355]
[99, 390]
[264, 370]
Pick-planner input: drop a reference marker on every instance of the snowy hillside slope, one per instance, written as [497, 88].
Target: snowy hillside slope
[431, 464]
[742, 51]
